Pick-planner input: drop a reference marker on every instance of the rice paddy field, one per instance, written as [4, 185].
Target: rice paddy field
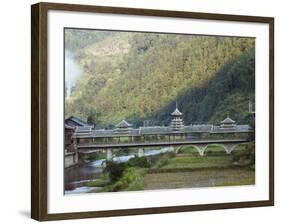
[201, 178]
[187, 169]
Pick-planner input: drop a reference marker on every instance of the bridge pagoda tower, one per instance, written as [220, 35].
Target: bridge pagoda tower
[123, 127]
[176, 123]
[227, 123]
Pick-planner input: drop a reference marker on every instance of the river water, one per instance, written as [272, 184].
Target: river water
[77, 176]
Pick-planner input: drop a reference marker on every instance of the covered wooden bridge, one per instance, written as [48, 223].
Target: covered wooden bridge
[227, 133]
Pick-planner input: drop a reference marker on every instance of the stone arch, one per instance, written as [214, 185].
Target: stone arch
[208, 148]
[196, 147]
[176, 150]
[200, 148]
[109, 154]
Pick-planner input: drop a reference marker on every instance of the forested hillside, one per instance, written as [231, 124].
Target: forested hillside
[140, 76]
[227, 93]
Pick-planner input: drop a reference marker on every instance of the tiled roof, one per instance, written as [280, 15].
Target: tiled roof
[228, 120]
[176, 113]
[66, 126]
[87, 131]
[84, 129]
[76, 120]
[123, 124]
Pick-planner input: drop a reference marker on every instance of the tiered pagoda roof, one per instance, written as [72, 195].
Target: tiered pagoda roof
[177, 123]
[123, 127]
[176, 112]
[228, 123]
[228, 120]
[123, 124]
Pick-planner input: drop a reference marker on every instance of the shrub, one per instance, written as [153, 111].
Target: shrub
[95, 156]
[114, 170]
[245, 156]
[163, 159]
[131, 179]
[103, 181]
[141, 162]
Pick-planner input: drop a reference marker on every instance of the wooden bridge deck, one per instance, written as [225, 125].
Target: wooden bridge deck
[159, 143]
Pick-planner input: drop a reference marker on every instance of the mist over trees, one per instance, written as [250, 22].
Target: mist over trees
[140, 76]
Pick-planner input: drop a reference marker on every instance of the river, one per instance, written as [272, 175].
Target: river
[77, 176]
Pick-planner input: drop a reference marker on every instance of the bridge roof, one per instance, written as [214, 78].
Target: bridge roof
[161, 130]
[236, 128]
[84, 129]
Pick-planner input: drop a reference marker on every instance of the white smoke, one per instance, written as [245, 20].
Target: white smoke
[72, 71]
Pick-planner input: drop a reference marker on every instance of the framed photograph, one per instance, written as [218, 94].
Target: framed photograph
[140, 111]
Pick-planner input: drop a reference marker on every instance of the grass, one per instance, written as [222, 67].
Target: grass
[246, 181]
[103, 181]
[200, 178]
[185, 170]
[199, 162]
[188, 169]
[162, 159]
[131, 180]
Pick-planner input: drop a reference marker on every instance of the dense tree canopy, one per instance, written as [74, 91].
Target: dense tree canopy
[227, 93]
[140, 76]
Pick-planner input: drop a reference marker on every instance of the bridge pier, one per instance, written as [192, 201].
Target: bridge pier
[201, 148]
[229, 147]
[109, 154]
[176, 150]
[140, 152]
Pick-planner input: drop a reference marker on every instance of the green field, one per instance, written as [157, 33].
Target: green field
[215, 168]
[187, 169]
[199, 162]
[200, 178]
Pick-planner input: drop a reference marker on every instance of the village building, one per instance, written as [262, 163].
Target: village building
[70, 147]
[75, 122]
[71, 126]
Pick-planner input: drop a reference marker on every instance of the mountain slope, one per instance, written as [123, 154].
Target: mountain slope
[135, 76]
[228, 93]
